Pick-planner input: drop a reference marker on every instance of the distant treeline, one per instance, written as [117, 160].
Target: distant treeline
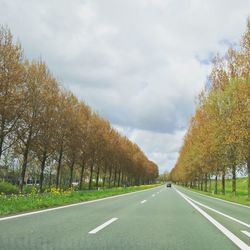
[218, 139]
[48, 134]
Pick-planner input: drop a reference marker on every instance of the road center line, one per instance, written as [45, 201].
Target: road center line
[218, 212]
[143, 201]
[246, 233]
[238, 242]
[97, 229]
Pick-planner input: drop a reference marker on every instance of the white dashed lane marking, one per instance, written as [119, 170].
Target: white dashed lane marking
[97, 229]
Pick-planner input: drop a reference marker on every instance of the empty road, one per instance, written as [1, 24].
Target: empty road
[158, 218]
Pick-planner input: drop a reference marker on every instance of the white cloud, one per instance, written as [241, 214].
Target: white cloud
[140, 63]
[160, 147]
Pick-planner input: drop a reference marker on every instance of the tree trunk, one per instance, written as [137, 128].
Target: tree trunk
[223, 183]
[90, 177]
[119, 178]
[97, 176]
[210, 184]
[130, 181]
[234, 180]
[122, 179]
[81, 176]
[115, 176]
[2, 137]
[24, 165]
[50, 175]
[205, 183]
[59, 167]
[71, 173]
[216, 185]
[1, 146]
[104, 177]
[110, 173]
[42, 171]
[248, 168]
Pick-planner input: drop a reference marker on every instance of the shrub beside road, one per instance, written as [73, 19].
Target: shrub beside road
[14, 203]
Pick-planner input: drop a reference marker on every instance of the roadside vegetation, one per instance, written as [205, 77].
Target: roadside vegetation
[50, 138]
[14, 203]
[217, 144]
[241, 196]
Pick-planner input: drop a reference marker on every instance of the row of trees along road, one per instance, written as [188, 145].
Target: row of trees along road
[218, 138]
[46, 131]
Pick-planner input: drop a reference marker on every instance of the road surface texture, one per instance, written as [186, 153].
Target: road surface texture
[158, 218]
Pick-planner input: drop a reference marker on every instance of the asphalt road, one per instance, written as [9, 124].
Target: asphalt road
[159, 218]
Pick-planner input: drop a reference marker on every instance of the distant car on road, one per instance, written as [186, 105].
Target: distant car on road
[169, 185]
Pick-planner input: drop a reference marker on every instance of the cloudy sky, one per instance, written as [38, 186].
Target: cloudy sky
[139, 63]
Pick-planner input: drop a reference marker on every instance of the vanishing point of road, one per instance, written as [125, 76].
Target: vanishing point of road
[157, 218]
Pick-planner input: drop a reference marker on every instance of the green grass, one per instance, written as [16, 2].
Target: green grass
[12, 204]
[241, 196]
[8, 188]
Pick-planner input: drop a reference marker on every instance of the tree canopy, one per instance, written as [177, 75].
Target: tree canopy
[48, 134]
[218, 138]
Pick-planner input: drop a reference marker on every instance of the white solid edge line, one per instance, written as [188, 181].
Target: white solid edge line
[97, 229]
[143, 201]
[218, 212]
[215, 198]
[71, 205]
[238, 242]
[246, 233]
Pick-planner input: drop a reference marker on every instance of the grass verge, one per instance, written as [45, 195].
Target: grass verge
[12, 204]
[241, 196]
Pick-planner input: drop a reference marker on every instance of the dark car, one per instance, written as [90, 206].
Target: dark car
[168, 185]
